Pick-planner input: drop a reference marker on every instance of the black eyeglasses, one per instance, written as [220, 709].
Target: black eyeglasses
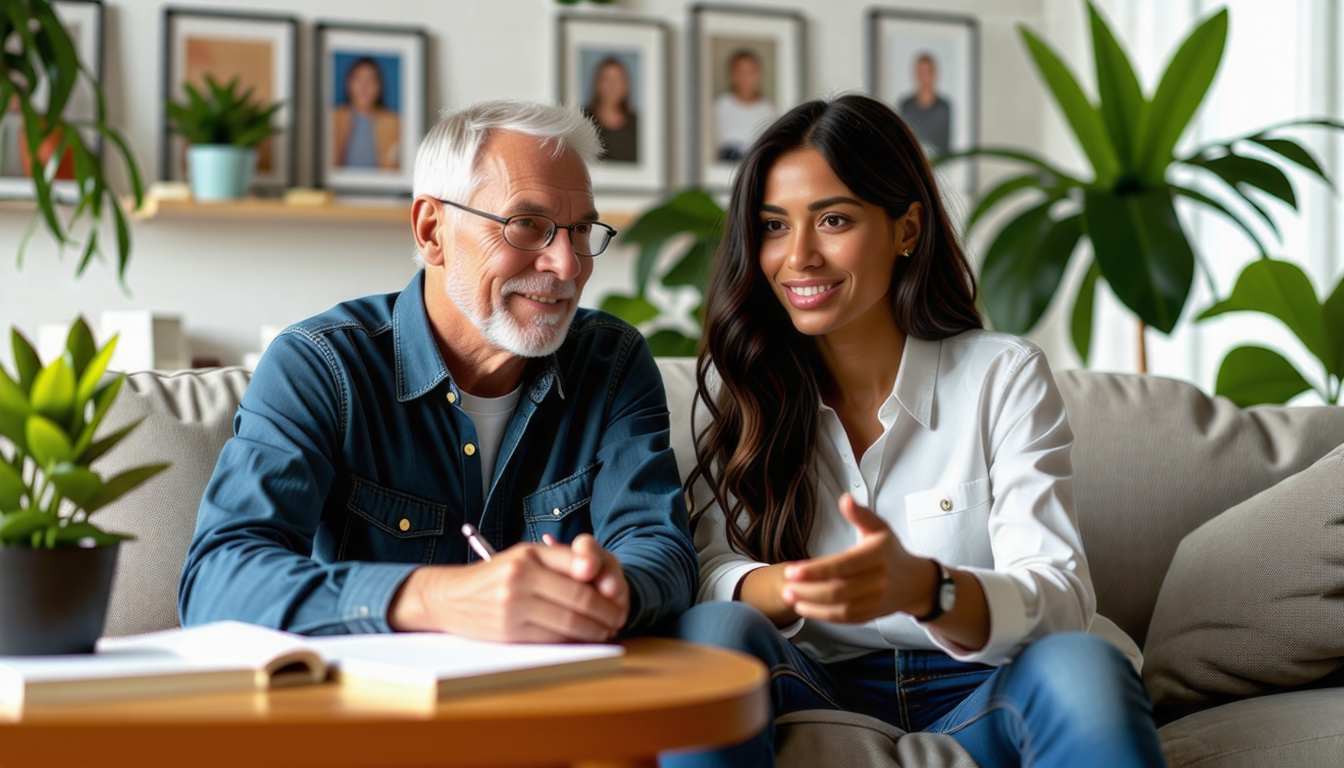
[533, 232]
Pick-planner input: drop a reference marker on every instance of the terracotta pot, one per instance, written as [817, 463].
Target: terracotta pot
[66, 170]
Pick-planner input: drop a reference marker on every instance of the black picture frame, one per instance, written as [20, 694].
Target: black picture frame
[945, 33]
[783, 30]
[379, 41]
[650, 41]
[90, 45]
[281, 169]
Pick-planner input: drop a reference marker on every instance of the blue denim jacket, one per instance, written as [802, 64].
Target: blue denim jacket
[349, 468]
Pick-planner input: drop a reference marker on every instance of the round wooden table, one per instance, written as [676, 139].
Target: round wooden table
[668, 695]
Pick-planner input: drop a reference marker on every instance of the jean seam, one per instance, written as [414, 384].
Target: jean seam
[788, 670]
[1025, 751]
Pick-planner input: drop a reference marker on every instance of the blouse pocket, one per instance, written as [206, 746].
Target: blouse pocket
[561, 508]
[388, 525]
[951, 523]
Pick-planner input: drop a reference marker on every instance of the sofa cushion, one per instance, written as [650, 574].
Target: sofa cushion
[823, 737]
[188, 417]
[1155, 458]
[1254, 600]
[1304, 729]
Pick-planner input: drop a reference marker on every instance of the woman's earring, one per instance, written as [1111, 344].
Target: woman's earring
[906, 253]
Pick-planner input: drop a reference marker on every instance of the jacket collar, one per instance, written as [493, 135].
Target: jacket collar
[420, 367]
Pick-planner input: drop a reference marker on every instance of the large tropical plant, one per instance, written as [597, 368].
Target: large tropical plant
[1127, 208]
[39, 70]
[693, 220]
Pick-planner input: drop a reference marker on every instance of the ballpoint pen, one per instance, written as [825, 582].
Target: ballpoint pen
[477, 542]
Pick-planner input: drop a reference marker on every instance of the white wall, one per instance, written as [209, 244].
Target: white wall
[229, 278]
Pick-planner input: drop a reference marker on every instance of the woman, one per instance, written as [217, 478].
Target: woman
[366, 134]
[609, 108]
[902, 539]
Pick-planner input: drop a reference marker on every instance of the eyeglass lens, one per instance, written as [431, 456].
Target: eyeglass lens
[532, 233]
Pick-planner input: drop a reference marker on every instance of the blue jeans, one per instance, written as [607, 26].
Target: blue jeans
[1067, 700]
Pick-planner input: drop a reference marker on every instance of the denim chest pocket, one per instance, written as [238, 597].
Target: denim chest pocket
[951, 523]
[561, 508]
[389, 525]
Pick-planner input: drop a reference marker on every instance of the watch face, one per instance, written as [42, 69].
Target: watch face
[947, 596]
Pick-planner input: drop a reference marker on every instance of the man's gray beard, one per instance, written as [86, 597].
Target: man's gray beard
[538, 339]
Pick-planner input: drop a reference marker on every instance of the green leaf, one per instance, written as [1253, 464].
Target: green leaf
[76, 483]
[1003, 191]
[93, 373]
[71, 534]
[1024, 265]
[1239, 172]
[1082, 116]
[121, 485]
[691, 211]
[1005, 153]
[632, 309]
[1256, 376]
[1181, 90]
[1123, 108]
[47, 442]
[693, 266]
[17, 528]
[1143, 252]
[1281, 290]
[12, 487]
[53, 392]
[670, 343]
[14, 410]
[648, 259]
[88, 453]
[63, 70]
[1218, 207]
[1294, 152]
[1333, 315]
[102, 398]
[26, 361]
[1080, 325]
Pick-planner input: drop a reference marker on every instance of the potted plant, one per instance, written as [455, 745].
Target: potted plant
[38, 76]
[223, 128]
[55, 564]
[1127, 208]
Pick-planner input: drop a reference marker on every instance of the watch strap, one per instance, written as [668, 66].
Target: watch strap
[944, 579]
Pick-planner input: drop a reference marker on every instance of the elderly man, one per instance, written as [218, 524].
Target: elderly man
[480, 394]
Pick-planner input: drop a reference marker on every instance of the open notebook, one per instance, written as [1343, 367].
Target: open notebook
[232, 656]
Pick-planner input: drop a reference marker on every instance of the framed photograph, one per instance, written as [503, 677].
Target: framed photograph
[371, 102]
[83, 19]
[748, 67]
[616, 70]
[927, 66]
[261, 51]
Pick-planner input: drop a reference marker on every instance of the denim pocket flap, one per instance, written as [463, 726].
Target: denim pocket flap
[398, 514]
[557, 500]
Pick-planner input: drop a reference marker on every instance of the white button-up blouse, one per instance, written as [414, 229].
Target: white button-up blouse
[972, 469]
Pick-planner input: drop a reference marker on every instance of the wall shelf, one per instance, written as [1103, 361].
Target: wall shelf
[398, 212]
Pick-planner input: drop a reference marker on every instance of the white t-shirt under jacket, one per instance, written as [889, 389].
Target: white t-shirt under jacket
[972, 469]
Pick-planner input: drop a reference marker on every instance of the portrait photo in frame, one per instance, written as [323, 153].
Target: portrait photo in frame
[748, 67]
[371, 98]
[616, 70]
[83, 19]
[927, 67]
[261, 51]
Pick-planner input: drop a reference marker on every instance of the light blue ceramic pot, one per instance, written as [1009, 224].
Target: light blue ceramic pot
[220, 171]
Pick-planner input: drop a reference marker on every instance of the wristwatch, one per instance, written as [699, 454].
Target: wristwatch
[944, 595]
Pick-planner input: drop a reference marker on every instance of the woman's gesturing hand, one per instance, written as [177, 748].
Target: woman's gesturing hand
[875, 577]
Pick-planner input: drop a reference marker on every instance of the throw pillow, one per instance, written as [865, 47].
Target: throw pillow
[1254, 600]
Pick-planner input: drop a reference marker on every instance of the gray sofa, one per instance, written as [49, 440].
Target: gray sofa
[1155, 460]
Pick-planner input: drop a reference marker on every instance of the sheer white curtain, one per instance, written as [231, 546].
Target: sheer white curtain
[1281, 63]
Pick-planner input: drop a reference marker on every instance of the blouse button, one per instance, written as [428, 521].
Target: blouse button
[469, 449]
[946, 504]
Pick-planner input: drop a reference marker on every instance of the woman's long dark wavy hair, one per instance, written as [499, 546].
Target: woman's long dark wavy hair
[757, 452]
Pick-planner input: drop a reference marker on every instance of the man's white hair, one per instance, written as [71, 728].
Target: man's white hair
[446, 162]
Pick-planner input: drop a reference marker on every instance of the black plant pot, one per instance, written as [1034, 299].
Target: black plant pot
[54, 600]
